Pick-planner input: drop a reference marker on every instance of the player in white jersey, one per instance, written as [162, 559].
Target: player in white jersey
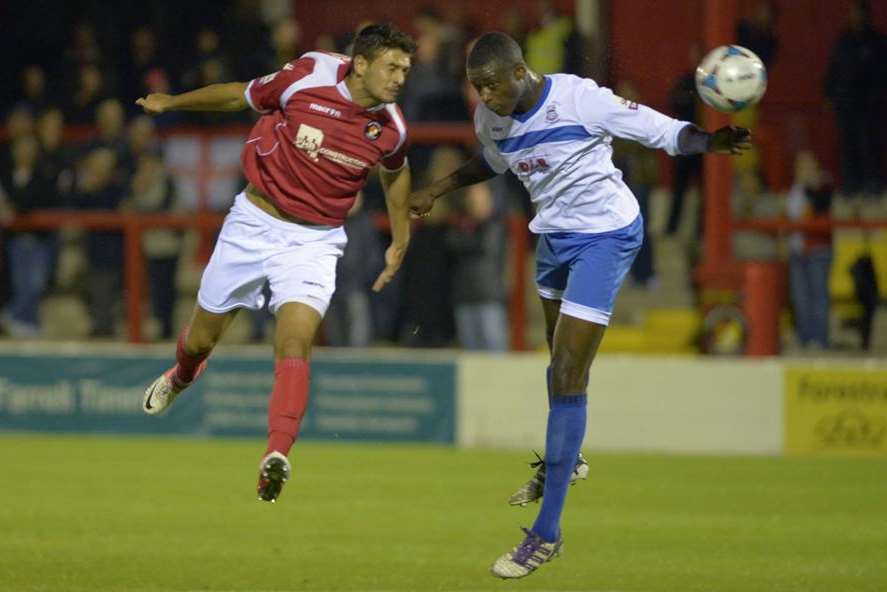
[554, 133]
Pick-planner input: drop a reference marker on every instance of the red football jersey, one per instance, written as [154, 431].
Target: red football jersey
[313, 148]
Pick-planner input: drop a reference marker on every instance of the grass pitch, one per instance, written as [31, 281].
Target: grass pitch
[98, 514]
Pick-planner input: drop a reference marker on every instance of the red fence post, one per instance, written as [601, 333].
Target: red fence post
[517, 234]
[135, 277]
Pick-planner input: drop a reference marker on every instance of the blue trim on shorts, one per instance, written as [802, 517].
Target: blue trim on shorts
[588, 268]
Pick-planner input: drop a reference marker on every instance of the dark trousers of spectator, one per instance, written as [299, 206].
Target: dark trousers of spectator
[642, 268]
[348, 322]
[30, 261]
[104, 297]
[162, 280]
[482, 326]
[808, 277]
[686, 169]
[860, 154]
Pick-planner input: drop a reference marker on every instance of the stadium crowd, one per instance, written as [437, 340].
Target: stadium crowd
[74, 139]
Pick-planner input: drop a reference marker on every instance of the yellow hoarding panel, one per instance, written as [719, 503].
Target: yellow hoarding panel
[835, 411]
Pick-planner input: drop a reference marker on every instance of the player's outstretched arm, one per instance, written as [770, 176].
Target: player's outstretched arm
[473, 171]
[726, 140]
[215, 97]
[396, 185]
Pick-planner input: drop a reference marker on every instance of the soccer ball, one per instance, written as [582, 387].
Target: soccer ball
[731, 78]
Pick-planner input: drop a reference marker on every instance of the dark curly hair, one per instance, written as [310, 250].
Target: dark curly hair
[375, 38]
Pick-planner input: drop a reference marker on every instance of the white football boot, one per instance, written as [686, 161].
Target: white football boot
[163, 391]
[527, 557]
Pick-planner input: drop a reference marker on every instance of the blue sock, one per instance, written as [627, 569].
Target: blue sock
[563, 440]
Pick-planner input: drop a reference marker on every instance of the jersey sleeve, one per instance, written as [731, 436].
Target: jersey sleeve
[489, 150]
[603, 112]
[267, 93]
[397, 158]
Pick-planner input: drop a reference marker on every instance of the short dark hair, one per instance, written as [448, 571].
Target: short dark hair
[496, 49]
[374, 38]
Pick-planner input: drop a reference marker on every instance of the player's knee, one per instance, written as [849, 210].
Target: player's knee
[568, 374]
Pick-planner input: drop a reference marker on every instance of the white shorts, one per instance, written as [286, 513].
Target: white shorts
[298, 261]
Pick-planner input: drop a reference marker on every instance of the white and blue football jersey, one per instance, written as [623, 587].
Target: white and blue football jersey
[561, 151]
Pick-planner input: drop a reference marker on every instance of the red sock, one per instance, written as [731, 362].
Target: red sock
[289, 398]
[187, 367]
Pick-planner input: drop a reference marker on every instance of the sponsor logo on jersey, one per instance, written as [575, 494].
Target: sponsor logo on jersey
[373, 130]
[325, 110]
[528, 166]
[309, 139]
[343, 159]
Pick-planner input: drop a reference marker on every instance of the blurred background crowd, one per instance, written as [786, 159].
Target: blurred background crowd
[74, 140]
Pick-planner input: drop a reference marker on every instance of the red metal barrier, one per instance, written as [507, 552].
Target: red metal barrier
[133, 225]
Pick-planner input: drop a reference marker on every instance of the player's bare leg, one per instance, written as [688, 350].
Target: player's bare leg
[297, 324]
[196, 342]
[532, 490]
[574, 345]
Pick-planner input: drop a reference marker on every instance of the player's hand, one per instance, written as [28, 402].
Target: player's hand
[730, 140]
[155, 103]
[393, 258]
[421, 203]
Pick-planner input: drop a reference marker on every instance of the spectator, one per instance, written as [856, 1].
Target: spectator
[685, 105]
[110, 122]
[639, 171]
[208, 47]
[99, 188]
[56, 157]
[31, 252]
[141, 138]
[84, 50]
[555, 46]
[348, 321]
[810, 253]
[476, 243]
[152, 191]
[428, 310]
[286, 42]
[855, 82]
[431, 92]
[34, 95]
[146, 71]
[758, 32]
[19, 124]
[90, 91]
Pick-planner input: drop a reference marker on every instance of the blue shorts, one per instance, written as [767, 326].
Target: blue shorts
[585, 270]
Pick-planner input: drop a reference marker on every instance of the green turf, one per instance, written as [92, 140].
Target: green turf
[97, 514]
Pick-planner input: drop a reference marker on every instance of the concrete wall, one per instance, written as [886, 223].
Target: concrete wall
[673, 404]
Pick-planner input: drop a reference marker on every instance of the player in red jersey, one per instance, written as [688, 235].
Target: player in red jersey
[327, 121]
